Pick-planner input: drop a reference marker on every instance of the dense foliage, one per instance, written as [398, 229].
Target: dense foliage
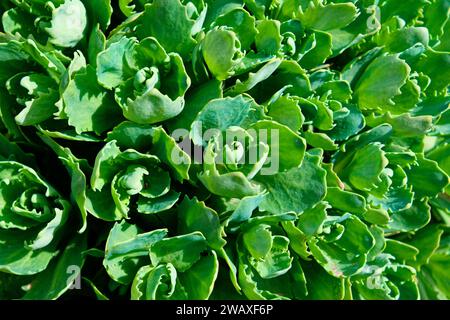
[110, 189]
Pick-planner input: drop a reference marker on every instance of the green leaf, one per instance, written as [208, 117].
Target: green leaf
[194, 215]
[220, 50]
[175, 34]
[268, 39]
[196, 99]
[346, 201]
[68, 24]
[242, 23]
[155, 205]
[362, 175]
[324, 117]
[276, 262]
[320, 51]
[11, 151]
[97, 44]
[99, 11]
[244, 210]
[38, 110]
[400, 250]
[433, 281]
[132, 135]
[159, 283]
[113, 64]
[127, 249]
[427, 242]
[101, 205]
[254, 78]
[230, 184]
[286, 147]
[289, 73]
[180, 251]
[97, 292]
[287, 112]
[17, 21]
[355, 69]
[58, 277]
[320, 140]
[402, 39]
[104, 165]
[297, 240]
[395, 199]
[220, 114]
[167, 149]
[328, 17]
[258, 241]
[347, 255]
[310, 222]
[78, 179]
[321, 285]
[442, 156]
[410, 219]
[7, 116]
[295, 190]
[427, 178]
[200, 279]
[374, 94]
[435, 65]
[88, 106]
[152, 107]
[278, 287]
[17, 259]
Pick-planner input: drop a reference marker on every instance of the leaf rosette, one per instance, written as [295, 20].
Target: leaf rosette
[128, 180]
[267, 268]
[160, 267]
[46, 89]
[289, 149]
[36, 242]
[62, 23]
[32, 217]
[149, 83]
[181, 268]
[383, 279]
[241, 144]
[30, 86]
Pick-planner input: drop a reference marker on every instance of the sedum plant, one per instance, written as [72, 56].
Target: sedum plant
[207, 149]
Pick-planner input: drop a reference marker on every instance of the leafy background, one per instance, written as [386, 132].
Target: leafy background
[92, 179]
